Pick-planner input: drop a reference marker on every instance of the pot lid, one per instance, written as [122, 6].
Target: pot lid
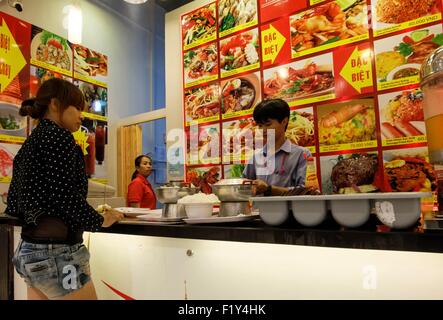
[432, 66]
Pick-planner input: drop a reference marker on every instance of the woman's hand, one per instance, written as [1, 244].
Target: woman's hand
[111, 216]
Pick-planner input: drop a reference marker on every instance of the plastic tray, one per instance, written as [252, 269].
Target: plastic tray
[396, 210]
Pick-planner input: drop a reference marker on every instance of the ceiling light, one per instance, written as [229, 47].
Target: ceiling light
[136, 1]
[75, 25]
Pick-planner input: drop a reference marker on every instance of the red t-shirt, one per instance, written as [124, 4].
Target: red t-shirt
[140, 191]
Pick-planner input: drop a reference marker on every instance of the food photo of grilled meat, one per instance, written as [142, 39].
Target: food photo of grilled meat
[410, 174]
[355, 174]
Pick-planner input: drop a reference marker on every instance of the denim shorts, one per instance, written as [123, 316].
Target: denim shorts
[54, 269]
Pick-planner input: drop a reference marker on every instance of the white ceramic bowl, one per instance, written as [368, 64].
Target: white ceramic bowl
[9, 110]
[198, 210]
[392, 73]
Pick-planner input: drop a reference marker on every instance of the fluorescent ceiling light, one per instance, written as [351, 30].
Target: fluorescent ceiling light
[75, 24]
[136, 1]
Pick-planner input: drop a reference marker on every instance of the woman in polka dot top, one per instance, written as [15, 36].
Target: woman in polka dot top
[48, 194]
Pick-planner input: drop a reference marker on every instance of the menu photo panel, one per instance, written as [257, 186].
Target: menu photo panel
[399, 57]
[236, 15]
[330, 25]
[348, 125]
[14, 77]
[302, 82]
[390, 16]
[8, 151]
[202, 104]
[402, 118]
[240, 95]
[93, 139]
[51, 51]
[353, 172]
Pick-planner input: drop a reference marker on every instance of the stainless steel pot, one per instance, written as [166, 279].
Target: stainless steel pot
[233, 190]
[171, 194]
[176, 183]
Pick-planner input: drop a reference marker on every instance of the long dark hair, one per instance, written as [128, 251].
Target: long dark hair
[64, 92]
[137, 163]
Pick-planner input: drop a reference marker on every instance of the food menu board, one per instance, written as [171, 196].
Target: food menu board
[239, 140]
[30, 55]
[301, 128]
[7, 153]
[51, 51]
[328, 26]
[349, 70]
[90, 66]
[240, 95]
[14, 88]
[199, 26]
[203, 144]
[393, 16]
[236, 15]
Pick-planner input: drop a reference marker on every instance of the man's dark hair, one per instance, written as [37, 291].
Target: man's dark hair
[277, 109]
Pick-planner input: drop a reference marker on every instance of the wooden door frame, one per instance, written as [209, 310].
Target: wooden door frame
[135, 120]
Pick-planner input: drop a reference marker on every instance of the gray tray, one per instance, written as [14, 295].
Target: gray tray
[397, 210]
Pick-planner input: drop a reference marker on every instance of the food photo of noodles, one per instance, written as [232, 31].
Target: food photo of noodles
[301, 127]
[202, 102]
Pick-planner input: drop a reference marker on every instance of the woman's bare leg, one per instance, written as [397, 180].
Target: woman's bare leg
[35, 294]
[85, 293]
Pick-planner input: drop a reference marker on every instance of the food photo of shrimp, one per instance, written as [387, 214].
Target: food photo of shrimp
[328, 24]
[346, 123]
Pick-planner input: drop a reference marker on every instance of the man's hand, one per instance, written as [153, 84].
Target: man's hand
[111, 216]
[260, 186]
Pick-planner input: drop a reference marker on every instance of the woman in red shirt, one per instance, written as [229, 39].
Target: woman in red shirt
[140, 192]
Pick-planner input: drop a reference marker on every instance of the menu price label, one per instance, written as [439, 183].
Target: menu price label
[398, 83]
[94, 116]
[102, 181]
[50, 67]
[407, 25]
[5, 179]
[202, 120]
[311, 149]
[13, 139]
[201, 81]
[312, 2]
[196, 160]
[90, 80]
[200, 42]
[225, 74]
[403, 141]
[232, 158]
[331, 96]
[348, 146]
[238, 114]
[238, 28]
